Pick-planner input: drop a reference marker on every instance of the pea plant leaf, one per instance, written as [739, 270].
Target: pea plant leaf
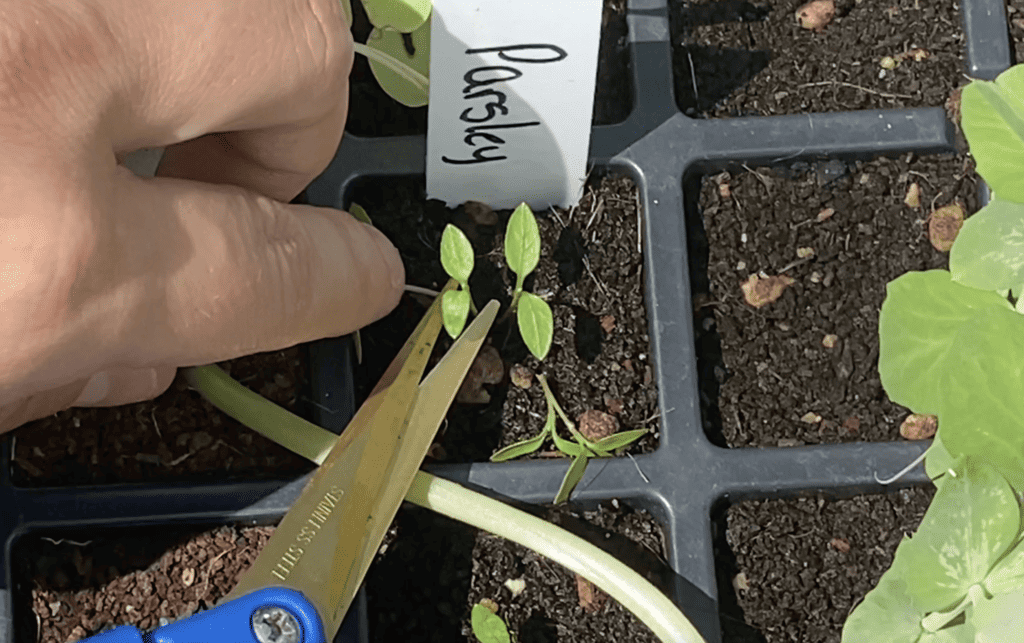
[918, 325]
[999, 619]
[1008, 573]
[572, 478]
[992, 117]
[404, 77]
[536, 324]
[488, 626]
[456, 254]
[455, 311]
[962, 633]
[886, 615]
[522, 241]
[972, 520]
[989, 249]
[982, 410]
[401, 15]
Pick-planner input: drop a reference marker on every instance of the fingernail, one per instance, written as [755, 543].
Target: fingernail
[96, 390]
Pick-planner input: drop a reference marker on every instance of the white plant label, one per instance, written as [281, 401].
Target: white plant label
[511, 98]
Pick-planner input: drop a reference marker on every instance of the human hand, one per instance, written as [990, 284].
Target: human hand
[108, 281]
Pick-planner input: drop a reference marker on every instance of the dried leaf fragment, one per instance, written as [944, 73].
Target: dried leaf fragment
[740, 582]
[188, 576]
[944, 225]
[596, 425]
[521, 376]
[887, 62]
[591, 598]
[852, 424]
[608, 323]
[487, 368]
[760, 291]
[841, 545]
[913, 198]
[489, 604]
[805, 252]
[810, 418]
[825, 214]
[816, 14]
[952, 106]
[829, 341]
[516, 586]
[918, 426]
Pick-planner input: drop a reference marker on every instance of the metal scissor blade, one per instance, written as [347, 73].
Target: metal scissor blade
[325, 543]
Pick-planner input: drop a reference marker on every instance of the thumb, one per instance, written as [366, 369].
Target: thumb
[226, 272]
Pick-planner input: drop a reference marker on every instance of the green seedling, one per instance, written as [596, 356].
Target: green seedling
[488, 626]
[951, 344]
[403, 75]
[536, 326]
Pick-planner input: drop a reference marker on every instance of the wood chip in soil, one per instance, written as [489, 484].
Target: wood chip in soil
[749, 59]
[177, 436]
[807, 563]
[590, 272]
[768, 374]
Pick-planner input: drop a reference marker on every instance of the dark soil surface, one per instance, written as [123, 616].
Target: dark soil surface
[177, 436]
[590, 272]
[373, 113]
[769, 367]
[422, 586]
[790, 571]
[1015, 16]
[752, 58]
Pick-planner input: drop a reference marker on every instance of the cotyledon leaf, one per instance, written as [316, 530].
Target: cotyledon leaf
[886, 615]
[410, 84]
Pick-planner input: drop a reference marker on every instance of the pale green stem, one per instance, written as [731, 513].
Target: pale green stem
[616, 579]
[938, 620]
[421, 291]
[550, 397]
[397, 66]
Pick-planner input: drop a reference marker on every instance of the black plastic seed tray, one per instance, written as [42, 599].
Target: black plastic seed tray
[660, 149]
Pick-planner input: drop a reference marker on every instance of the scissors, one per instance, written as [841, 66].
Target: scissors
[301, 585]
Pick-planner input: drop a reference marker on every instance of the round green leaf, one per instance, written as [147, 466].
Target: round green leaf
[487, 626]
[922, 316]
[409, 84]
[536, 324]
[992, 117]
[456, 254]
[886, 615]
[455, 311]
[401, 15]
[522, 241]
[999, 619]
[989, 249]
[982, 409]
[972, 520]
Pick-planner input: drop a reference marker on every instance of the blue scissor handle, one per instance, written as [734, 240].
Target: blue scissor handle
[228, 623]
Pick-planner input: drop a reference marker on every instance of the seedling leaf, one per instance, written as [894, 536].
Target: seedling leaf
[619, 440]
[401, 15]
[572, 478]
[519, 449]
[886, 615]
[1008, 573]
[971, 522]
[522, 242]
[992, 117]
[989, 250]
[568, 447]
[456, 254]
[1000, 618]
[359, 213]
[536, 324]
[982, 409]
[920, 320]
[455, 311]
[488, 626]
[411, 92]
